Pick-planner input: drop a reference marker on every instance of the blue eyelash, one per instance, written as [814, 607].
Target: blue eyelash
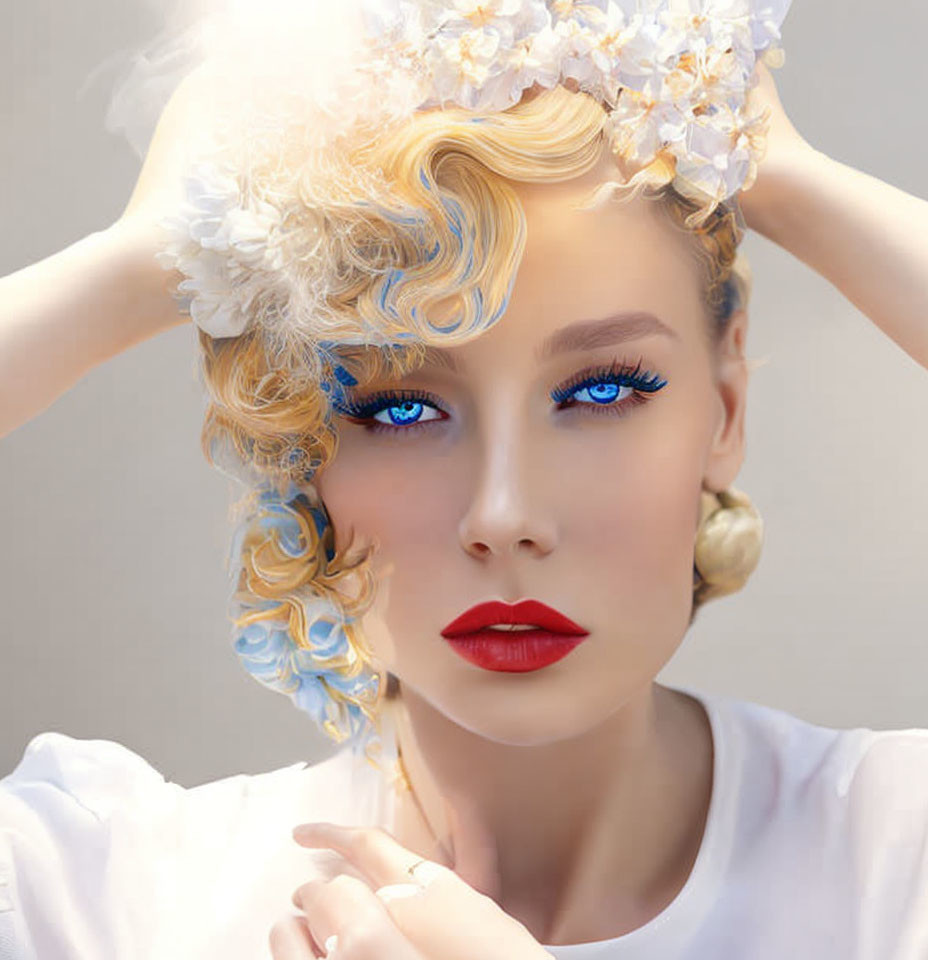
[617, 373]
[364, 411]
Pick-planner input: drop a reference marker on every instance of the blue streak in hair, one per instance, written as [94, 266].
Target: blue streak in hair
[343, 376]
[408, 221]
[446, 329]
[469, 268]
[455, 217]
[478, 301]
[393, 277]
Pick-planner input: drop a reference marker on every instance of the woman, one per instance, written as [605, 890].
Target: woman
[531, 461]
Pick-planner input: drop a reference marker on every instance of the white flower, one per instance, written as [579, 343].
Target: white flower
[471, 54]
[578, 41]
[672, 74]
[225, 251]
[634, 134]
[709, 160]
[482, 12]
[613, 33]
[536, 60]
[468, 57]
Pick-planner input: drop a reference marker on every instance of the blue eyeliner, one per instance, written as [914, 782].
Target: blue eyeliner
[405, 407]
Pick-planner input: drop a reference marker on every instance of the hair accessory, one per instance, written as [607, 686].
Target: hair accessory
[320, 77]
[304, 86]
[728, 543]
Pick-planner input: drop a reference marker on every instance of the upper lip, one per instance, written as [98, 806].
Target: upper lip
[532, 612]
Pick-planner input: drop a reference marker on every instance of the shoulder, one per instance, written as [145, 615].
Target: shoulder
[850, 805]
[67, 779]
[858, 764]
[57, 808]
[125, 853]
[97, 775]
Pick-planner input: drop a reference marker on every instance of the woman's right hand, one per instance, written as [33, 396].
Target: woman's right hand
[159, 189]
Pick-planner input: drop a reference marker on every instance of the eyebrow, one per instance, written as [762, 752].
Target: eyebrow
[589, 334]
[583, 335]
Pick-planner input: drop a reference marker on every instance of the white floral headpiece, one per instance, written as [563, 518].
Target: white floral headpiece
[672, 74]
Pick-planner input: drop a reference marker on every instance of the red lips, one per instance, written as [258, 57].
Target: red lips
[551, 637]
[532, 612]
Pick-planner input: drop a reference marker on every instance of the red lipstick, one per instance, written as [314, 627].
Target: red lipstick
[551, 635]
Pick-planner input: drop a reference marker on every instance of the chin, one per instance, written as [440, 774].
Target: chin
[523, 718]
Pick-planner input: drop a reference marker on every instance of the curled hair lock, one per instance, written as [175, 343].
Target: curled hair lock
[427, 225]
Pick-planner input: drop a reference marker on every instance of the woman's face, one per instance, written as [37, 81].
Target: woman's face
[588, 501]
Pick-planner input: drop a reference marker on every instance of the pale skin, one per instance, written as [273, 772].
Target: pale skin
[489, 509]
[595, 515]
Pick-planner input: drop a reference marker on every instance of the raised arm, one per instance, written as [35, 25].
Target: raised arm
[62, 316]
[866, 237]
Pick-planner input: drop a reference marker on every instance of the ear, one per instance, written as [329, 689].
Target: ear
[726, 452]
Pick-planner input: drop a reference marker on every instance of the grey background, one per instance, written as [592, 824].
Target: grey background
[114, 529]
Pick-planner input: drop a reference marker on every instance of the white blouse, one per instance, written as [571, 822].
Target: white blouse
[815, 848]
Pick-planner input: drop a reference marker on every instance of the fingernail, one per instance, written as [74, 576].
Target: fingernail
[396, 891]
[427, 871]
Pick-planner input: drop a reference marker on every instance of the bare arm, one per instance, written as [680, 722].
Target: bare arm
[62, 316]
[868, 238]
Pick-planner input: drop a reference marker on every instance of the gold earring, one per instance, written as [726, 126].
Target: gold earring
[728, 543]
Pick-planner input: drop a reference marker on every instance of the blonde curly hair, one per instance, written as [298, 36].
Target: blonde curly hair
[430, 218]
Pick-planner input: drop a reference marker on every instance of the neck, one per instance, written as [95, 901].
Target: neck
[580, 839]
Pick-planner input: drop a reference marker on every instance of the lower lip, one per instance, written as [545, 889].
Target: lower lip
[516, 651]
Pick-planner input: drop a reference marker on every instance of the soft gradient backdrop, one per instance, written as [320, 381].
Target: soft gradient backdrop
[115, 529]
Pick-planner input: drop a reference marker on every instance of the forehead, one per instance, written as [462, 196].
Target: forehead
[624, 254]
[579, 266]
[589, 277]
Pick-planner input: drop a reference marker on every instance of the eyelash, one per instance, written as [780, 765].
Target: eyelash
[618, 372]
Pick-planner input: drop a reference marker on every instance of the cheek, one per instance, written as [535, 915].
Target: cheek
[395, 500]
[640, 523]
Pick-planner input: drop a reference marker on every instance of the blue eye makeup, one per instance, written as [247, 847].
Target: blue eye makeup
[394, 410]
[611, 390]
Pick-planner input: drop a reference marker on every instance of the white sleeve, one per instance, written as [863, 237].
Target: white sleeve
[888, 802]
[64, 817]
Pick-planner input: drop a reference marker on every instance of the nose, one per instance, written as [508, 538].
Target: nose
[505, 514]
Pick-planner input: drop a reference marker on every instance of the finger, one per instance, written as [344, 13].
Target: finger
[290, 939]
[376, 853]
[349, 909]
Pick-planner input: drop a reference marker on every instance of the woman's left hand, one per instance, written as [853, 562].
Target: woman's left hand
[786, 150]
[393, 916]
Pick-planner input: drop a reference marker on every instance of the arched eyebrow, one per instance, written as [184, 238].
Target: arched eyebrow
[583, 335]
[606, 332]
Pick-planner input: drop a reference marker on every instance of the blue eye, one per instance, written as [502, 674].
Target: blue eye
[409, 411]
[611, 389]
[399, 412]
[602, 393]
